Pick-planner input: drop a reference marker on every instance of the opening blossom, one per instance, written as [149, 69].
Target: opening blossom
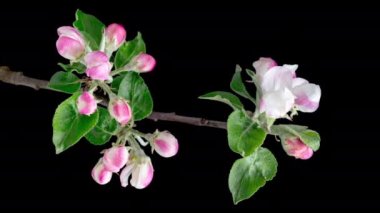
[115, 35]
[70, 44]
[142, 173]
[280, 90]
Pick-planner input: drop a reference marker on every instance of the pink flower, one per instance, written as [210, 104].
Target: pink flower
[165, 144]
[296, 148]
[280, 90]
[141, 171]
[98, 66]
[100, 174]
[142, 63]
[120, 110]
[115, 158]
[86, 103]
[70, 44]
[115, 36]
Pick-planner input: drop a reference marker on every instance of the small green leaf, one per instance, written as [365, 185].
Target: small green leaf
[309, 137]
[104, 129]
[129, 50]
[65, 82]
[134, 89]
[69, 126]
[244, 135]
[90, 27]
[224, 97]
[238, 86]
[249, 174]
[77, 67]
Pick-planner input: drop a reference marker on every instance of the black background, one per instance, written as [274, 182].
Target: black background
[196, 50]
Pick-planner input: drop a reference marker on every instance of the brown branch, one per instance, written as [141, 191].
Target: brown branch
[18, 78]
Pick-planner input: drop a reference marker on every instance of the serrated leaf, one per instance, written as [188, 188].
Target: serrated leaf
[134, 89]
[250, 173]
[104, 129]
[238, 86]
[91, 28]
[69, 126]
[244, 135]
[129, 50]
[65, 82]
[224, 97]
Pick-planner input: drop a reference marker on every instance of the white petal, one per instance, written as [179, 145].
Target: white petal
[124, 175]
[292, 68]
[307, 97]
[277, 78]
[277, 104]
[263, 65]
[299, 81]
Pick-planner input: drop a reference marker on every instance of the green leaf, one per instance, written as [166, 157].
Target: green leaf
[116, 82]
[224, 97]
[69, 126]
[309, 137]
[77, 67]
[238, 86]
[249, 174]
[134, 89]
[91, 28]
[129, 50]
[104, 129]
[244, 135]
[65, 82]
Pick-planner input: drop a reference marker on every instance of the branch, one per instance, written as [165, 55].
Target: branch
[18, 78]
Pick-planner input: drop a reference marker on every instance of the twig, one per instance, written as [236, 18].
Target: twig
[18, 78]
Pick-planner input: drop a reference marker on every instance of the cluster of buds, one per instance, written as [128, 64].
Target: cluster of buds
[133, 162]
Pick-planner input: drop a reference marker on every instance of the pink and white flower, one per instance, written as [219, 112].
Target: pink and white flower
[70, 44]
[115, 35]
[86, 103]
[142, 63]
[280, 90]
[120, 110]
[100, 174]
[296, 148]
[142, 173]
[98, 66]
[115, 158]
[165, 144]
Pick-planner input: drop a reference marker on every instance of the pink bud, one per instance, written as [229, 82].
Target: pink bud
[70, 43]
[115, 158]
[295, 147]
[98, 66]
[165, 144]
[86, 103]
[100, 174]
[142, 63]
[120, 110]
[142, 173]
[115, 36]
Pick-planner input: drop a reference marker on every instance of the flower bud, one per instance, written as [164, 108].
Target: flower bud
[70, 43]
[100, 174]
[142, 173]
[142, 63]
[115, 36]
[98, 66]
[120, 110]
[86, 103]
[165, 144]
[296, 148]
[115, 158]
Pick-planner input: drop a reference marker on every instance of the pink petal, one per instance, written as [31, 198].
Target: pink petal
[263, 65]
[115, 158]
[69, 48]
[307, 97]
[166, 144]
[100, 174]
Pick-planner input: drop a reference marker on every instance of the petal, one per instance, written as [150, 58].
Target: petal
[86, 103]
[307, 97]
[292, 68]
[166, 144]
[96, 58]
[101, 72]
[100, 174]
[277, 104]
[124, 175]
[298, 82]
[142, 175]
[71, 32]
[277, 78]
[263, 65]
[69, 48]
[115, 158]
